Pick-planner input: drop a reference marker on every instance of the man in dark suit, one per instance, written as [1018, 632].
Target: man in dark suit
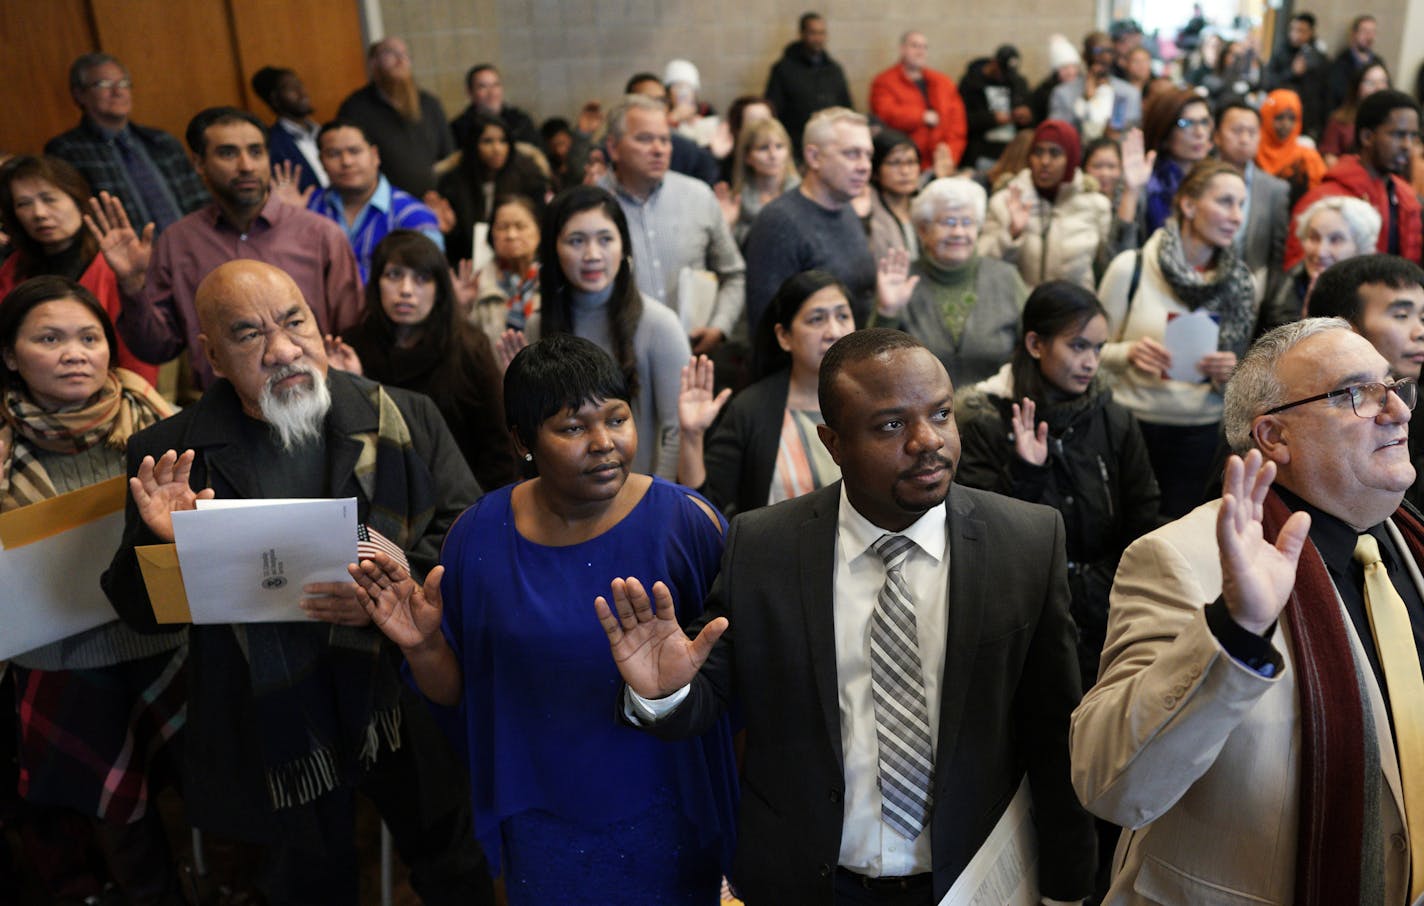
[856, 625]
[292, 139]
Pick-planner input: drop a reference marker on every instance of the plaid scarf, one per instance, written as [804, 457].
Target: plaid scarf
[327, 697]
[125, 405]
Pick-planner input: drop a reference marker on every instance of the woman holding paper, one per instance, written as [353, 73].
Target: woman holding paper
[505, 633]
[1188, 266]
[98, 707]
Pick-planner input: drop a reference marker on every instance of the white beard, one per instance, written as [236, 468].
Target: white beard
[299, 414]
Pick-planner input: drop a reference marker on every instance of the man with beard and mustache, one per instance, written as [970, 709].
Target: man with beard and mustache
[286, 721]
[899, 648]
[159, 280]
[1386, 129]
[407, 124]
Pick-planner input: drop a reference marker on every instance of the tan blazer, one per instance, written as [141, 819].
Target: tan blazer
[1194, 754]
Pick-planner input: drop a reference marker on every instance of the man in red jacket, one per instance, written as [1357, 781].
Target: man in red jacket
[920, 102]
[1386, 128]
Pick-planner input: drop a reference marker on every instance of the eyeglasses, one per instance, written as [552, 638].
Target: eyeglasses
[950, 223]
[901, 162]
[1368, 400]
[111, 84]
[1202, 123]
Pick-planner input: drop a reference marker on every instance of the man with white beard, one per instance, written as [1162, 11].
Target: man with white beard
[287, 721]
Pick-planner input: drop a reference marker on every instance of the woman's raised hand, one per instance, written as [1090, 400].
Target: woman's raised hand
[408, 613]
[653, 654]
[1030, 440]
[126, 251]
[697, 405]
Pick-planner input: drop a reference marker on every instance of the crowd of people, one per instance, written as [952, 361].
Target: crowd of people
[750, 506]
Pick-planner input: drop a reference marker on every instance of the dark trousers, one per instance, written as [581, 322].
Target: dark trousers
[853, 890]
[1182, 457]
[438, 845]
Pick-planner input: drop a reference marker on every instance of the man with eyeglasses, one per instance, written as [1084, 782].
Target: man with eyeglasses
[1258, 721]
[146, 168]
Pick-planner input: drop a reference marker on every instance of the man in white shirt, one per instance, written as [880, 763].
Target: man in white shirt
[291, 140]
[892, 711]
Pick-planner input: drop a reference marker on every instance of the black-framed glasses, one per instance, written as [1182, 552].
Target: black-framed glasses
[1368, 399]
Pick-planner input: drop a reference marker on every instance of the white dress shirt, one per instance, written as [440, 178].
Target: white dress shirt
[305, 136]
[869, 846]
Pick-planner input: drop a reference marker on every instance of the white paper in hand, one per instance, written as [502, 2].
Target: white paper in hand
[696, 297]
[1188, 338]
[245, 561]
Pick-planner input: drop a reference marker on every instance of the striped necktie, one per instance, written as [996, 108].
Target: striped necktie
[1399, 661]
[902, 725]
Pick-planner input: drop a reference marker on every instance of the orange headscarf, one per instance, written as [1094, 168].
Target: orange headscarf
[1289, 157]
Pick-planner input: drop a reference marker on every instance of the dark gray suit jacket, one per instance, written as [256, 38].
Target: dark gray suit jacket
[1010, 681]
[1267, 223]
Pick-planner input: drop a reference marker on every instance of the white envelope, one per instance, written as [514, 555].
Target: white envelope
[245, 561]
[1188, 338]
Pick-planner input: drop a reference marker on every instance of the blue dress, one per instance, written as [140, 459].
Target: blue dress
[578, 807]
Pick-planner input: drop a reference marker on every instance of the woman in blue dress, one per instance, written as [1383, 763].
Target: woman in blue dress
[509, 635]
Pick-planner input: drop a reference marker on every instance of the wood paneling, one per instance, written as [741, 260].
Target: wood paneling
[40, 39]
[181, 56]
[283, 33]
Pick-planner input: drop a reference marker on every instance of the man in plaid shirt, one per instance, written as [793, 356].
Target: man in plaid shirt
[146, 168]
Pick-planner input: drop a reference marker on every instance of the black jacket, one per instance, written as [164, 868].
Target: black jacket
[1097, 475]
[740, 450]
[801, 83]
[973, 89]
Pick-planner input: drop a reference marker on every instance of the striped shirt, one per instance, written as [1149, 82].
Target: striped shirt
[389, 209]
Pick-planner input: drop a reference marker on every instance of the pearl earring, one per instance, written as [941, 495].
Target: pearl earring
[528, 457]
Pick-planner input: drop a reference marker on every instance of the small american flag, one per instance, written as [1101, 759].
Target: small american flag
[369, 541]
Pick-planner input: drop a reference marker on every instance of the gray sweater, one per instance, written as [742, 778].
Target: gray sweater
[662, 349]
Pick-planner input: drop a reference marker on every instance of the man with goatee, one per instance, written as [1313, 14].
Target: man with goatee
[407, 124]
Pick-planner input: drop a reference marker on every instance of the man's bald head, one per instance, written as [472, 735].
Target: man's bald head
[258, 332]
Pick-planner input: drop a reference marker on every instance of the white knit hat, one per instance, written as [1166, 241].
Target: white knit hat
[1061, 52]
[682, 71]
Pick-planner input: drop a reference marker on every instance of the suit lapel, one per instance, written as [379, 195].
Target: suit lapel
[968, 595]
[816, 546]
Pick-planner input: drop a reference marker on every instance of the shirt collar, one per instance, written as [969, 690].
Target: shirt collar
[611, 183]
[307, 129]
[856, 534]
[1334, 538]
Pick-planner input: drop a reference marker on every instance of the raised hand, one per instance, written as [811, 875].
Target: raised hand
[731, 207]
[653, 654]
[467, 285]
[508, 346]
[408, 614]
[1019, 212]
[341, 356]
[127, 252]
[444, 213]
[697, 407]
[161, 488]
[1256, 576]
[1030, 440]
[286, 179]
[1149, 356]
[893, 283]
[1136, 166]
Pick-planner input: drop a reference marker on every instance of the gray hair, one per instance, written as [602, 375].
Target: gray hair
[1360, 217]
[945, 194]
[1254, 386]
[820, 128]
[80, 68]
[618, 118]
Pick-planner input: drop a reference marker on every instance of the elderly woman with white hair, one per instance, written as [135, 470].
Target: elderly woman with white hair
[963, 306]
[1332, 229]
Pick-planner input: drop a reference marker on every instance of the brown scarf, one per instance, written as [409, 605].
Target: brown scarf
[1339, 845]
[125, 405]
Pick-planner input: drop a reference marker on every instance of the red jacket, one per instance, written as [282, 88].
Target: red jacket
[897, 101]
[99, 279]
[1349, 177]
